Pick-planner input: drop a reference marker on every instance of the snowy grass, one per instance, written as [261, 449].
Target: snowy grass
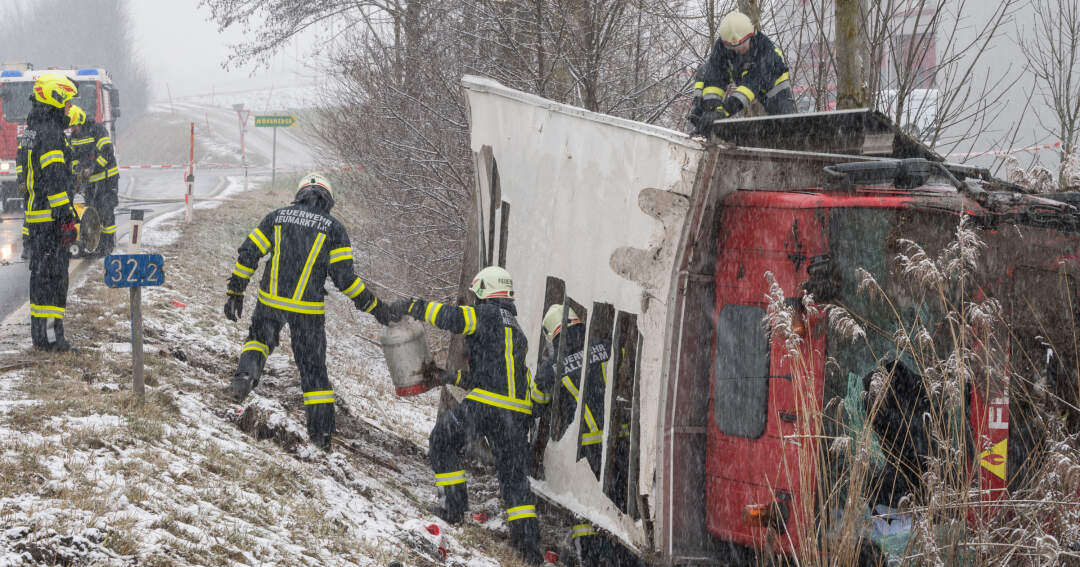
[89, 476]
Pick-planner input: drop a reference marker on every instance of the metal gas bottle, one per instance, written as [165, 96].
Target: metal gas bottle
[404, 345]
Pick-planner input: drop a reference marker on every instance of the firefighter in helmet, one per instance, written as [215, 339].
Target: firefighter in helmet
[95, 161]
[49, 216]
[744, 66]
[498, 404]
[306, 245]
[587, 543]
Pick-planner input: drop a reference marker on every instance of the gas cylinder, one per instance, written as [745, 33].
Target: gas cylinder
[404, 345]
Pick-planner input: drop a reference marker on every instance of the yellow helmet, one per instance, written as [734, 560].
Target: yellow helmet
[54, 89]
[493, 282]
[553, 321]
[315, 179]
[736, 28]
[76, 116]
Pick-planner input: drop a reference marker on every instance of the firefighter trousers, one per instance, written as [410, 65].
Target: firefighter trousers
[104, 200]
[507, 435]
[308, 336]
[588, 544]
[48, 282]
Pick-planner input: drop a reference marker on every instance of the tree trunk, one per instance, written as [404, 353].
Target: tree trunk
[850, 56]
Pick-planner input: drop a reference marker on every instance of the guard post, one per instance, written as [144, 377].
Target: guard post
[135, 271]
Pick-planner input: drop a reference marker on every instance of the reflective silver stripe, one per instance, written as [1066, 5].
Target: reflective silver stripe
[355, 289]
[114, 171]
[260, 240]
[82, 141]
[286, 304]
[97, 177]
[520, 512]
[570, 386]
[592, 438]
[243, 271]
[744, 94]
[47, 311]
[339, 254]
[103, 141]
[256, 346]
[581, 530]
[493, 399]
[319, 397]
[432, 311]
[450, 478]
[305, 274]
[44, 215]
[111, 229]
[540, 397]
[782, 85]
[49, 158]
[58, 199]
[102, 161]
[470, 319]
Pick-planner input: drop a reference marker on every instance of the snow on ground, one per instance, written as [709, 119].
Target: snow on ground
[90, 477]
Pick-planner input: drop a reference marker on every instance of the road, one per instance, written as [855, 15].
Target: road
[146, 188]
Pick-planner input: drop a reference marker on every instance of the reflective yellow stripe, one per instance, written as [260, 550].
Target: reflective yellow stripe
[243, 271]
[102, 161]
[470, 319]
[582, 530]
[97, 177]
[450, 478]
[713, 92]
[508, 354]
[47, 311]
[520, 512]
[699, 86]
[82, 141]
[103, 141]
[49, 158]
[287, 304]
[18, 169]
[782, 78]
[260, 240]
[745, 91]
[111, 229]
[499, 401]
[276, 260]
[457, 381]
[540, 397]
[339, 254]
[320, 397]
[58, 199]
[778, 52]
[25, 230]
[305, 275]
[256, 346]
[432, 311]
[355, 289]
[44, 215]
[114, 171]
[569, 384]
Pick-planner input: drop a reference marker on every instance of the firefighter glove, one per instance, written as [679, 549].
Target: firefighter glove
[68, 234]
[414, 307]
[234, 306]
[383, 314]
[65, 215]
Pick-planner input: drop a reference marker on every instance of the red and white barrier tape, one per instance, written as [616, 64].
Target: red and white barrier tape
[220, 165]
[1054, 146]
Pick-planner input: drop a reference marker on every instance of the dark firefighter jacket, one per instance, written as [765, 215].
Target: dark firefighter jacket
[305, 246]
[760, 72]
[497, 374]
[573, 359]
[93, 150]
[44, 157]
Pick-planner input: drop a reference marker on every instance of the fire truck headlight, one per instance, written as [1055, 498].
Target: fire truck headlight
[5, 166]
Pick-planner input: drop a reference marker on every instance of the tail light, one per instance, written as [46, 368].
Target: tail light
[772, 515]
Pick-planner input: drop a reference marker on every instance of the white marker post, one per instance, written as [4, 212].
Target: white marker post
[135, 271]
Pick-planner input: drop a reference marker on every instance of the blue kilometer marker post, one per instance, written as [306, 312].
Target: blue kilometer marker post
[135, 271]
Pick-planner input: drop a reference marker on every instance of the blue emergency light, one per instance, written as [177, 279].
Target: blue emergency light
[11, 73]
[87, 72]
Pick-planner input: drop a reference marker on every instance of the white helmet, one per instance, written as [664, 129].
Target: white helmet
[553, 321]
[736, 28]
[315, 179]
[493, 282]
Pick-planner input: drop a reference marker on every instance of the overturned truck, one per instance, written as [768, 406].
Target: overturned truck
[660, 243]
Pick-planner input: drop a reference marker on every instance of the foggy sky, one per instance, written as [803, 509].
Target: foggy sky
[183, 52]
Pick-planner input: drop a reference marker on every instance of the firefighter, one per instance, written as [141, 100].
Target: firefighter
[497, 406]
[587, 543]
[95, 161]
[744, 66]
[49, 215]
[20, 181]
[305, 245]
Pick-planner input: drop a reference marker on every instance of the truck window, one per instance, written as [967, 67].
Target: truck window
[741, 376]
[16, 97]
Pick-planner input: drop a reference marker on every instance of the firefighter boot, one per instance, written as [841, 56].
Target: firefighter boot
[525, 537]
[320, 424]
[38, 333]
[453, 503]
[240, 387]
[60, 344]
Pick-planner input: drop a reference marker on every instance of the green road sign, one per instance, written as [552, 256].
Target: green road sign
[274, 121]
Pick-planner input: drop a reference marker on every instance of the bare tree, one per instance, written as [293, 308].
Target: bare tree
[1052, 49]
